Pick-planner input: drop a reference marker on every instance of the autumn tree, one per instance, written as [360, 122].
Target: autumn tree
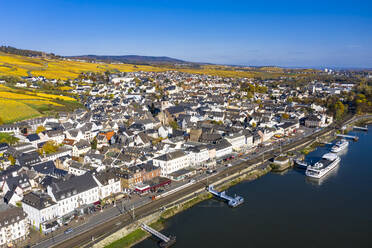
[339, 109]
[12, 160]
[40, 129]
[174, 125]
[94, 143]
[49, 147]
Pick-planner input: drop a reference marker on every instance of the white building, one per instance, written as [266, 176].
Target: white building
[237, 141]
[172, 162]
[42, 211]
[108, 184]
[223, 148]
[249, 140]
[198, 155]
[13, 226]
[76, 192]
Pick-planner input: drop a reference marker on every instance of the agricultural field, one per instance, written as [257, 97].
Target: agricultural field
[12, 110]
[15, 65]
[21, 104]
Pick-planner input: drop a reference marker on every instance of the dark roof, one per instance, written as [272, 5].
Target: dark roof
[72, 186]
[28, 159]
[171, 156]
[287, 125]
[175, 109]
[105, 176]
[18, 181]
[46, 168]
[11, 216]
[312, 118]
[38, 201]
[8, 196]
[33, 137]
[3, 146]
[222, 145]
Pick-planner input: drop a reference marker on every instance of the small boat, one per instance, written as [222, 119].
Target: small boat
[340, 146]
[301, 164]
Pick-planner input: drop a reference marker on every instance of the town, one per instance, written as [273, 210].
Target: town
[142, 135]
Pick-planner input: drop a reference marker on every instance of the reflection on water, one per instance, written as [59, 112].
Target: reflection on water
[323, 179]
[282, 173]
[343, 152]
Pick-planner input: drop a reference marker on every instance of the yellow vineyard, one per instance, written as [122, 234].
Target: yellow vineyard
[11, 110]
[14, 65]
[19, 104]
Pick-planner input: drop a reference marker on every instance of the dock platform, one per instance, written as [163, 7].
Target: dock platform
[231, 201]
[361, 128]
[348, 136]
[165, 241]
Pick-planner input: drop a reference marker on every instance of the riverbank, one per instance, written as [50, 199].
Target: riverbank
[133, 234]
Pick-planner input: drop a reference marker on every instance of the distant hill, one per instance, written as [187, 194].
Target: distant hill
[132, 59]
[126, 59]
[25, 52]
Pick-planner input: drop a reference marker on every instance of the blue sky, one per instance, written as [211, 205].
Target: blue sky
[285, 33]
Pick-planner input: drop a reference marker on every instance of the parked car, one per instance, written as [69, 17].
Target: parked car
[69, 230]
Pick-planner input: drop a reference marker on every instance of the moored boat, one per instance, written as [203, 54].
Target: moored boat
[340, 146]
[328, 162]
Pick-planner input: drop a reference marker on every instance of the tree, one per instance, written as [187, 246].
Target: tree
[174, 125]
[40, 129]
[49, 147]
[94, 143]
[339, 109]
[285, 116]
[12, 160]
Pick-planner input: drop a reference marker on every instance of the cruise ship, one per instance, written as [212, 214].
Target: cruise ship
[340, 145]
[323, 166]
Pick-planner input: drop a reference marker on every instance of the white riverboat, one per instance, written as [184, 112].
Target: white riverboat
[328, 162]
[340, 146]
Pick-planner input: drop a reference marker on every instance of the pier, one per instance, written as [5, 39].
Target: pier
[166, 241]
[348, 136]
[361, 128]
[231, 201]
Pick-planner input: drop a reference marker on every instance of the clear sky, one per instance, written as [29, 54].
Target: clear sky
[266, 32]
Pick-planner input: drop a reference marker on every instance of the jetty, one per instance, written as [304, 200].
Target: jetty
[165, 241]
[360, 128]
[348, 136]
[231, 201]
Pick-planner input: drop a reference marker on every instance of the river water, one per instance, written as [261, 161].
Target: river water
[288, 210]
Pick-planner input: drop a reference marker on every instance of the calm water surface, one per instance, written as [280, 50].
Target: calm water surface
[288, 210]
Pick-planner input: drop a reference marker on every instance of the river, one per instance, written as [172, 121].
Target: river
[288, 210]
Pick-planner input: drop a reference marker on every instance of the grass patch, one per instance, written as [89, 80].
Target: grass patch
[128, 240]
[311, 148]
[183, 206]
[8, 138]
